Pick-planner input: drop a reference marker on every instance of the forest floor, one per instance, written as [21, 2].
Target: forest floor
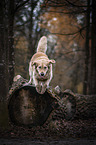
[75, 132]
[47, 142]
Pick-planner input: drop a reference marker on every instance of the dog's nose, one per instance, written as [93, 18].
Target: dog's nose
[42, 74]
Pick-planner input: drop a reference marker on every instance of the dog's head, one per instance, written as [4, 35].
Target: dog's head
[42, 67]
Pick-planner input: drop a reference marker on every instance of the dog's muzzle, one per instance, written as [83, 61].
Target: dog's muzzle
[42, 74]
[42, 77]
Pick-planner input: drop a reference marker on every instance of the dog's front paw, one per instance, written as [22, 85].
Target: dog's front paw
[41, 89]
[44, 87]
[38, 88]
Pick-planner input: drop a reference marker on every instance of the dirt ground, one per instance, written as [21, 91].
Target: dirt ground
[58, 132]
[47, 142]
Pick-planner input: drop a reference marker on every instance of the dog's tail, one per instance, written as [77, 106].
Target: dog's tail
[42, 45]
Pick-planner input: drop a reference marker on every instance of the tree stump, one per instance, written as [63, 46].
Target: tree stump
[28, 108]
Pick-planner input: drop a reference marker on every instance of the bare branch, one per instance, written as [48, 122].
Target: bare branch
[55, 3]
[73, 51]
[20, 5]
[74, 4]
[73, 12]
[79, 31]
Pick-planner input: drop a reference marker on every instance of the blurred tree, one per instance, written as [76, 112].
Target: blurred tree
[88, 10]
[8, 9]
[6, 46]
[6, 56]
[66, 24]
[90, 49]
[24, 23]
[92, 82]
[87, 47]
[27, 33]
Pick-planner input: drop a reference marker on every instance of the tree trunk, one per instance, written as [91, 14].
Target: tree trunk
[10, 53]
[85, 85]
[30, 47]
[3, 45]
[6, 57]
[6, 47]
[3, 68]
[92, 83]
[31, 39]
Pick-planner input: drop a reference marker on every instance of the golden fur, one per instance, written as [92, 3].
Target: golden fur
[40, 67]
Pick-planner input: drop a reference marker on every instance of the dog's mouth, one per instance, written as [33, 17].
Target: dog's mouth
[42, 77]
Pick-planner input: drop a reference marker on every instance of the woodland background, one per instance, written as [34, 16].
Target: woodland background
[70, 26]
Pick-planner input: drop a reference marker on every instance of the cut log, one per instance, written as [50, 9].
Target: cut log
[67, 104]
[28, 108]
[85, 105]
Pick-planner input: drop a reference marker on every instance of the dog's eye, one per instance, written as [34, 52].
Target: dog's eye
[39, 67]
[45, 67]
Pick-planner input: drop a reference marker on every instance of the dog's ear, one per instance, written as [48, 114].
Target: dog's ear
[52, 61]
